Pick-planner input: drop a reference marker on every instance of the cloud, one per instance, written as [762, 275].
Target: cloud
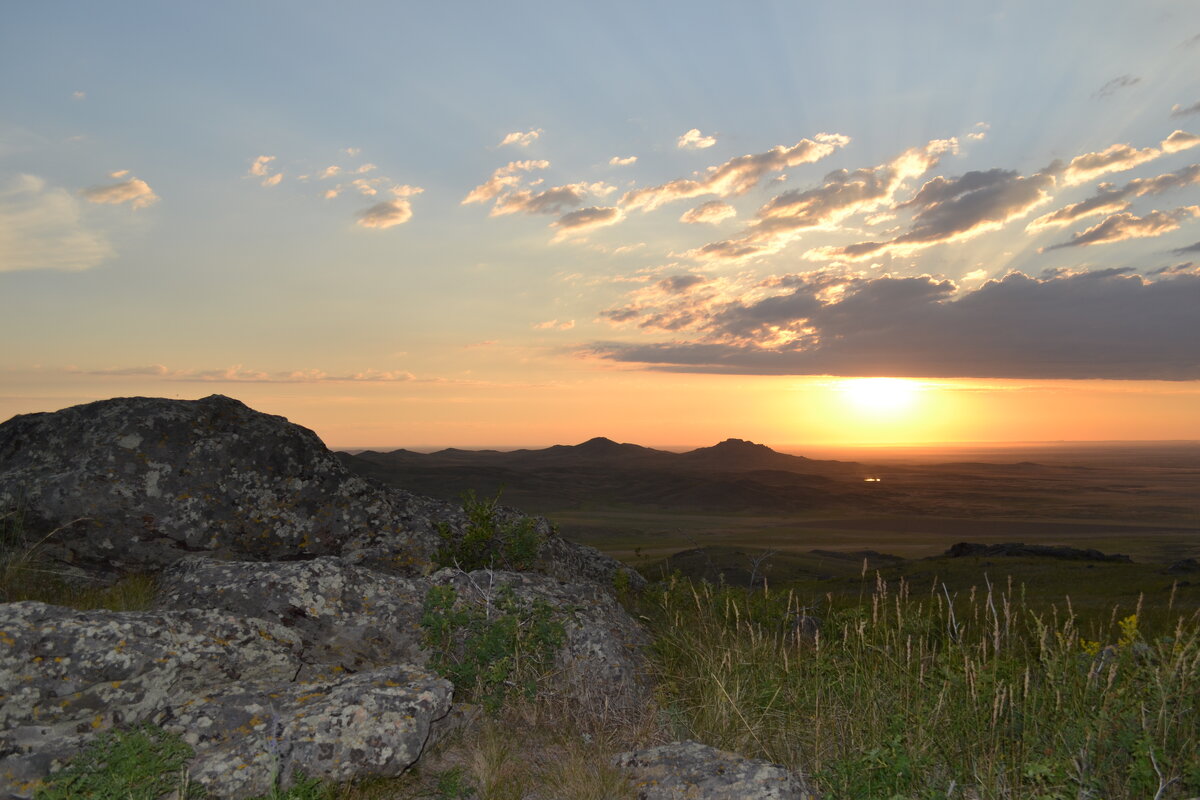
[352, 151]
[578, 223]
[694, 140]
[121, 173]
[1180, 140]
[1191, 248]
[843, 194]
[555, 200]
[1184, 111]
[79, 95]
[737, 175]
[1109, 199]
[617, 161]
[404, 190]
[504, 179]
[521, 139]
[386, 214]
[365, 168]
[555, 325]
[709, 213]
[330, 171]
[1120, 227]
[260, 165]
[134, 191]
[40, 228]
[1117, 158]
[955, 209]
[273, 180]
[1116, 85]
[678, 284]
[240, 374]
[980, 132]
[1110, 324]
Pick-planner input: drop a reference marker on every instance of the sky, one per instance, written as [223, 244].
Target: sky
[517, 224]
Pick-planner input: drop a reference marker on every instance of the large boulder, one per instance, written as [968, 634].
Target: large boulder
[230, 686]
[692, 771]
[138, 482]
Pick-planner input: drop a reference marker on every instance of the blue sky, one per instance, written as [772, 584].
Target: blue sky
[291, 201]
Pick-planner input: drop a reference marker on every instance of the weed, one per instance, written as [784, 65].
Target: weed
[489, 651]
[487, 542]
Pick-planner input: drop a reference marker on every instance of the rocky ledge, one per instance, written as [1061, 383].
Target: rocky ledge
[287, 633]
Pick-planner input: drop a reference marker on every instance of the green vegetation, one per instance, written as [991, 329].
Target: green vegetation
[27, 574]
[937, 694]
[140, 764]
[486, 650]
[487, 542]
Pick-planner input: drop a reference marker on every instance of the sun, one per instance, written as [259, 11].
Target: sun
[880, 397]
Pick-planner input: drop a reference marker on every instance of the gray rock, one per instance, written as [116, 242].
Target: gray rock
[65, 674]
[601, 664]
[344, 615]
[692, 771]
[151, 479]
[249, 736]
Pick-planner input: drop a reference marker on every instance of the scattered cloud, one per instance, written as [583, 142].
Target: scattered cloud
[1116, 85]
[737, 175]
[709, 213]
[404, 190]
[134, 191]
[1117, 158]
[78, 95]
[1184, 111]
[695, 140]
[617, 161]
[330, 171]
[843, 194]
[678, 284]
[260, 166]
[555, 325]
[121, 173]
[40, 228]
[504, 179]
[387, 214]
[365, 168]
[1191, 248]
[1110, 324]
[1109, 199]
[352, 151]
[579, 223]
[980, 132]
[1122, 226]
[273, 180]
[240, 374]
[521, 139]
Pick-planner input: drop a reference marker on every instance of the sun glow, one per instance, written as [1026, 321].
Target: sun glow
[880, 397]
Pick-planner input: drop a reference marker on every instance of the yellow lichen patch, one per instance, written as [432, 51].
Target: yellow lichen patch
[7, 640]
[97, 722]
[116, 684]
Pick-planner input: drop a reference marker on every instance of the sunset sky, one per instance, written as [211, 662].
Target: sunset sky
[526, 223]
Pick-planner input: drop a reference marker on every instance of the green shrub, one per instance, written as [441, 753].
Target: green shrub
[486, 542]
[487, 651]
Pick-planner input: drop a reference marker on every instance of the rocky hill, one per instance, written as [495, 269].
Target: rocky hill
[308, 618]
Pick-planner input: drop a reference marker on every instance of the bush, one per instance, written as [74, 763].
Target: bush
[486, 542]
[139, 764]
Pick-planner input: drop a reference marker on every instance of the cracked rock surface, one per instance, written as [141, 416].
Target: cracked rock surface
[689, 770]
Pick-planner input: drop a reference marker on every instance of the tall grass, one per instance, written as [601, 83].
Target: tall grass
[934, 695]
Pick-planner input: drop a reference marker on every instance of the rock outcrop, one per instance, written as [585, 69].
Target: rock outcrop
[689, 770]
[287, 632]
[963, 549]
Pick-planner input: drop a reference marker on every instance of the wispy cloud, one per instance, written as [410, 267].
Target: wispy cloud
[1116, 85]
[1109, 198]
[387, 214]
[135, 191]
[1183, 111]
[737, 175]
[241, 374]
[555, 325]
[617, 161]
[1105, 324]
[1121, 157]
[1191, 248]
[1180, 140]
[40, 228]
[260, 166]
[695, 140]
[1120, 227]
[710, 213]
[980, 132]
[521, 139]
[555, 200]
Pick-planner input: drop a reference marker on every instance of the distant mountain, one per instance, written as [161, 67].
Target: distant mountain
[734, 475]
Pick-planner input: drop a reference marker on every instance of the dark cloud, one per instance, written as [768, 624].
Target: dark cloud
[587, 218]
[1191, 248]
[1116, 85]
[1183, 111]
[386, 214]
[677, 284]
[1108, 324]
